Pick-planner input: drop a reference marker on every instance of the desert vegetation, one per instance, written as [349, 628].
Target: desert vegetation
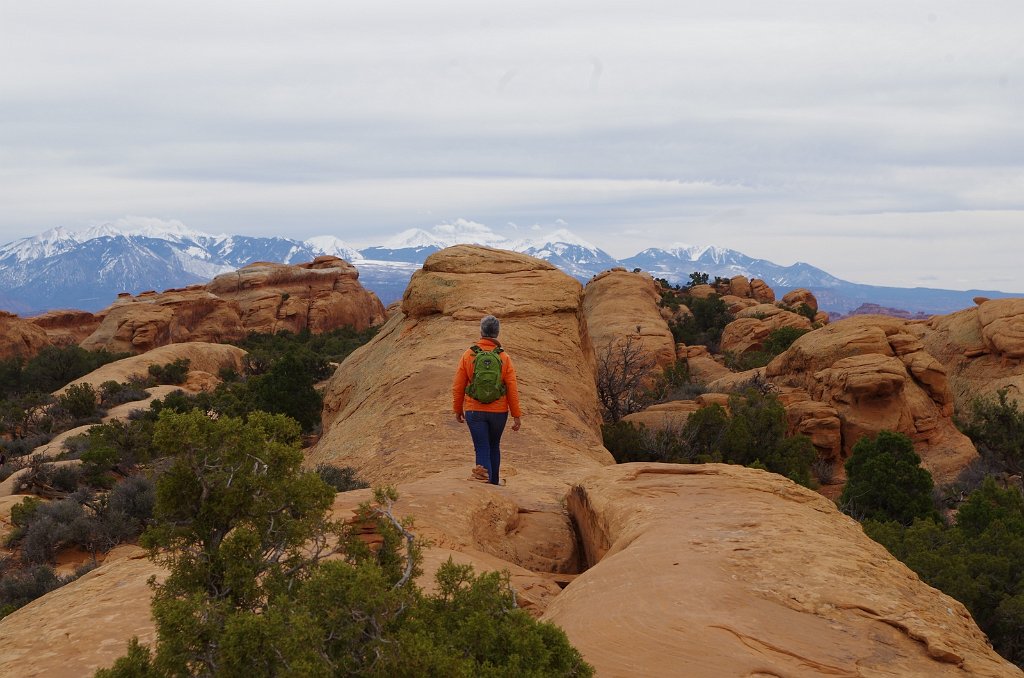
[245, 536]
[751, 432]
[107, 497]
[974, 553]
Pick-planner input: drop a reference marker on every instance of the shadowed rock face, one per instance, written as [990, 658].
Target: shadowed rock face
[714, 570]
[263, 297]
[388, 412]
[20, 338]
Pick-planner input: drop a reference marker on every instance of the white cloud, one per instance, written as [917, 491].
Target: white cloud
[784, 129]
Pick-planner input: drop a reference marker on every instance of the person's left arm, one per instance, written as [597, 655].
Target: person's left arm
[512, 393]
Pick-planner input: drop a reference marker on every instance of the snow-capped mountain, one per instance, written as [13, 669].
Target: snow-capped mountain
[86, 269]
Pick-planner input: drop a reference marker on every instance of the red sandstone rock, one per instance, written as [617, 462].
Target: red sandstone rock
[619, 305]
[795, 298]
[20, 338]
[67, 327]
[267, 298]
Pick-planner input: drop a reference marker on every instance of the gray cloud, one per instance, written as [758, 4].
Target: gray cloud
[855, 136]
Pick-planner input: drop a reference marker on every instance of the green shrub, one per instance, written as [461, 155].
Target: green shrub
[753, 435]
[705, 326]
[976, 560]
[79, 401]
[997, 430]
[56, 366]
[885, 482]
[21, 586]
[342, 479]
[114, 393]
[173, 373]
[249, 592]
[117, 446]
[628, 442]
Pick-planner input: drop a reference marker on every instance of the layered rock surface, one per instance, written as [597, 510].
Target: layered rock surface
[714, 570]
[263, 297]
[67, 327]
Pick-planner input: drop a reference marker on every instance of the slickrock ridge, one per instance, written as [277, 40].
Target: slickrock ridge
[387, 410]
[262, 297]
[203, 358]
[19, 337]
[84, 626]
[714, 570]
[619, 304]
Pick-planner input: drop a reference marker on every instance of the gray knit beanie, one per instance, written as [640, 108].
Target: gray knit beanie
[489, 327]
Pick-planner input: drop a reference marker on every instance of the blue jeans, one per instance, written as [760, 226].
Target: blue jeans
[486, 429]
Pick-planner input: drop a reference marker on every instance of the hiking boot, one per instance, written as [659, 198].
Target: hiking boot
[480, 473]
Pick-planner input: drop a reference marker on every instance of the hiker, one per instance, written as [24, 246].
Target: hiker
[483, 394]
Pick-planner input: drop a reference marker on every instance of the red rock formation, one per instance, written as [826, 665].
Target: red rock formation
[619, 305]
[20, 338]
[794, 298]
[976, 347]
[321, 295]
[397, 389]
[753, 325]
[67, 327]
[877, 375]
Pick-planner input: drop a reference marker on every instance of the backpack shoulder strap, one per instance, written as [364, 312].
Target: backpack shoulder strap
[475, 349]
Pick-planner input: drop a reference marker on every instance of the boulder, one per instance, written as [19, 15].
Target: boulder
[739, 286]
[794, 298]
[821, 424]
[753, 325]
[729, 571]
[670, 416]
[619, 305]
[760, 291]
[20, 338]
[1002, 327]
[319, 296]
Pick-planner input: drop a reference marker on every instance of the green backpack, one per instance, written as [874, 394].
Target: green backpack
[487, 385]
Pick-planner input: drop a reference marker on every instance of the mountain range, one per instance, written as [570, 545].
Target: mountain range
[86, 269]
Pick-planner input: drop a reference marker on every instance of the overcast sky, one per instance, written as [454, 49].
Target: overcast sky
[882, 141]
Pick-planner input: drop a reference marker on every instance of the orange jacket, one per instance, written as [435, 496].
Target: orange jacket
[464, 374]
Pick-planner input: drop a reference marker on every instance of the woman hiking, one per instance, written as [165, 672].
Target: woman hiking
[483, 393]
